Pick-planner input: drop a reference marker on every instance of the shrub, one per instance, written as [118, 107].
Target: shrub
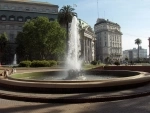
[98, 62]
[61, 63]
[52, 63]
[25, 64]
[42, 63]
[93, 62]
[117, 63]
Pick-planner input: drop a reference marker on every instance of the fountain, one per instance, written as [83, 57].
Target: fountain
[15, 59]
[73, 61]
[73, 80]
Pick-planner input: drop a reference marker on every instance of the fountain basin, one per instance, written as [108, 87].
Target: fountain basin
[67, 86]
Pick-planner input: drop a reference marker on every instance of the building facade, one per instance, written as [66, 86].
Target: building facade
[132, 54]
[108, 40]
[87, 37]
[14, 13]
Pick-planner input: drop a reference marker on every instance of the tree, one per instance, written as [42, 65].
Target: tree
[65, 16]
[107, 60]
[3, 43]
[138, 42]
[126, 59]
[41, 39]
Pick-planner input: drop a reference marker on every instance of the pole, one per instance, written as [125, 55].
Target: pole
[97, 9]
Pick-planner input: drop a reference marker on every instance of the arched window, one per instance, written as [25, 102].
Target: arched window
[3, 18]
[20, 18]
[28, 18]
[12, 18]
[51, 19]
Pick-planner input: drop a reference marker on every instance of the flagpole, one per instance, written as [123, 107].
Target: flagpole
[97, 9]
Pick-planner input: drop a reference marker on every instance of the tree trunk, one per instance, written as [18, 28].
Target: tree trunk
[67, 38]
[138, 53]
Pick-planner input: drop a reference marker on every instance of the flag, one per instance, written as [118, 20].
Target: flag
[74, 5]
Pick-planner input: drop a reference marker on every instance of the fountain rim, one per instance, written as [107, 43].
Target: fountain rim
[140, 78]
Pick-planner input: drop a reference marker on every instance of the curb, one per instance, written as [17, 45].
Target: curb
[72, 100]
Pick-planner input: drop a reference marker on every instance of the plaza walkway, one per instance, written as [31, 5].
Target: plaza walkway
[137, 105]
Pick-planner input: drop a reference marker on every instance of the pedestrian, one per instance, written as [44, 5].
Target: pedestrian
[6, 71]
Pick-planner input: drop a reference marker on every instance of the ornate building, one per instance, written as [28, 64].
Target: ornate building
[108, 40]
[87, 42]
[14, 13]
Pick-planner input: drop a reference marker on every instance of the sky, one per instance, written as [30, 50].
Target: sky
[132, 15]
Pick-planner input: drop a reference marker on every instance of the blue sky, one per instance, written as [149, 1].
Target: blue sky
[132, 15]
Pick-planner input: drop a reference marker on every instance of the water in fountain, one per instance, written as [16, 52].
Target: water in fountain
[74, 48]
[15, 59]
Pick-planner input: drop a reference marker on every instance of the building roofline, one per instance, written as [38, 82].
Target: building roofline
[106, 21]
[29, 2]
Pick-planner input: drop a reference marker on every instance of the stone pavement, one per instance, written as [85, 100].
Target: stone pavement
[137, 105]
[75, 97]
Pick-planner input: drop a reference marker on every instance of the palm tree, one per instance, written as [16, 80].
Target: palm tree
[138, 42]
[65, 16]
[3, 42]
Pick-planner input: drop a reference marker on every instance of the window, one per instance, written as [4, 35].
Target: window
[19, 27]
[11, 18]
[53, 11]
[40, 10]
[11, 27]
[20, 8]
[43, 10]
[20, 18]
[13, 7]
[27, 9]
[105, 43]
[34, 9]
[47, 10]
[11, 37]
[5, 7]
[3, 17]
[28, 18]
[3, 26]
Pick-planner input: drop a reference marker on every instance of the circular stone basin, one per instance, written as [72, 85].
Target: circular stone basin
[111, 80]
[63, 75]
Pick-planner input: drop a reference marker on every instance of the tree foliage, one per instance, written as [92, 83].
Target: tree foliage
[41, 39]
[138, 42]
[65, 16]
[3, 44]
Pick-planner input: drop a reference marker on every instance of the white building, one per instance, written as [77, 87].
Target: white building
[108, 40]
[87, 42]
[133, 54]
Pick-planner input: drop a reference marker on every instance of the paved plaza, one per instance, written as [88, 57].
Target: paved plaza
[137, 105]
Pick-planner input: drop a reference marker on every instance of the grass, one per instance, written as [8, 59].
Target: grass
[24, 75]
[89, 66]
